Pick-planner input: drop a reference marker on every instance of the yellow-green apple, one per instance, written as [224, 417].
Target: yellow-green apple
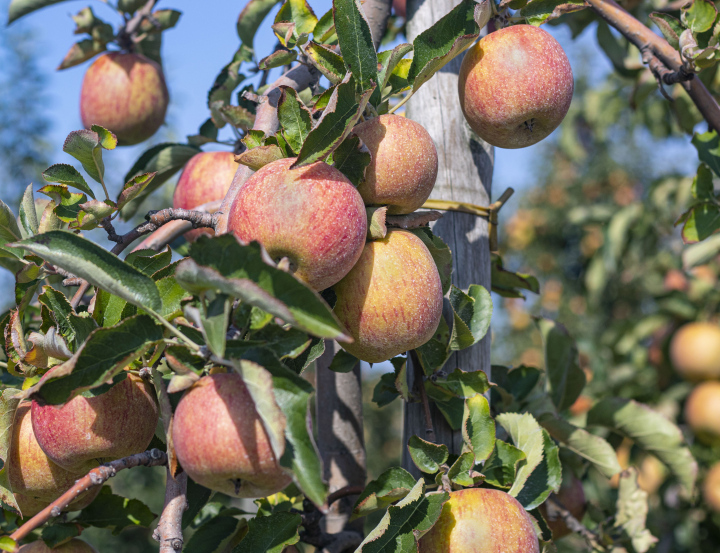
[711, 488]
[695, 351]
[479, 520]
[702, 412]
[205, 178]
[391, 300]
[35, 480]
[312, 215]
[221, 442]
[86, 431]
[72, 546]
[572, 497]
[126, 94]
[515, 86]
[403, 166]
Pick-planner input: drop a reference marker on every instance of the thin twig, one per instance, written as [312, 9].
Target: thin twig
[79, 293]
[344, 492]
[96, 477]
[555, 508]
[420, 383]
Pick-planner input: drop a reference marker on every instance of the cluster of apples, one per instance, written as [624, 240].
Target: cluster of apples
[53, 446]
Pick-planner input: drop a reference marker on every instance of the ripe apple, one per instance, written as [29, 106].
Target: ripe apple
[400, 7]
[221, 442]
[480, 520]
[126, 94]
[391, 301]
[312, 215]
[205, 178]
[702, 412]
[695, 351]
[515, 86]
[711, 488]
[35, 480]
[86, 431]
[572, 497]
[72, 546]
[404, 163]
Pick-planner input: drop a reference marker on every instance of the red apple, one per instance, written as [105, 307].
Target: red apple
[479, 520]
[695, 351]
[572, 497]
[515, 86]
[702, 412]
[126, 94]
[221, 442]
[400, 7]
[35, 480]
[86, 431]
[391, 301]
[312, 215]
[72, 546]
[404, 163]
[205, 178]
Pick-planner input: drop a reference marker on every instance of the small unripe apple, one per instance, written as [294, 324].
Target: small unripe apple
[221, 442]
[86, 431]
[403, 166]
[391, 301]
[72, 546]
[572, 497]
[702, 412]
[126, 94]
[480, 520]
[515, 86]
[711, 488]
[312, 215]
[205, 178]
[35, 480]
[695, 351]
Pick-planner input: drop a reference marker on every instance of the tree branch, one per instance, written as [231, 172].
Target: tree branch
[555, 508]
[169, 529]
[96, 477]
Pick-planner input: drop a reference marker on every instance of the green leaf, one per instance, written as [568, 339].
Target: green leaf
[478, 428]
[708, 147]
[215, 534]
[472, 313]
[440, 252]
[250, 18]
[300, 13]
[28, 215]
[260, 156]
[702, 186]
[326, 60]
[295, 119]
[82, 51]
[527, 436]
[73, 328]
[356, 43]
[461, 470]
[85, 146]
[650, 431]
[349, 159]
[405, 523]
[670, 26]
[565, 377]
[277, 59]
[92, 212]
[464, 384]
[9, 400]
[700, 221]
[388, 61]
[18, 8]
[171, 295]
[501, 468]
[197, 497]
[506, 283]
[67, 203]
[302, 361]
[699, 16]
[391, 486]
[343, 362]
[9, 230]
[55, 534]
[214, 323]
[149, 261]
[545, 479]
[133, 188]
[632, 510]
[447, 38]
[112, 511]
[538, 12]
[427, 456]
[270, 534]
[324, 31]
[99, 267]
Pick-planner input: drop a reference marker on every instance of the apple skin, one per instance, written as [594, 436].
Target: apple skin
[86, 431]
[205, 178]
[35, 480]
[479, 520]
[221, 442]
[72, 546]
[711, 488]
[695, 351]
[126, 94]
[404, 163]
[391, 301]
[312, 215]
[702, 412]
[515, 86]
[572, 497]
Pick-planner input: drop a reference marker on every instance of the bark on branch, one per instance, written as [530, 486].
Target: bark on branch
[169, 529]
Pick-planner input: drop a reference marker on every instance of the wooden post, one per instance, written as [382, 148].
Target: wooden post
[464, 174]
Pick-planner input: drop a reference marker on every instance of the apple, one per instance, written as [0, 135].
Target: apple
[35, 480]
[206, 178]
[391, 301]
[400, 8]
[515, 86]
[695, 351]
[403, 166]
[126, 94]
[86, 431]
[312, 215]
[221, 442]
[702, 412]
[480, 520]
[72, 546]
[651, 474]
[711, 488]
[572, 497]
